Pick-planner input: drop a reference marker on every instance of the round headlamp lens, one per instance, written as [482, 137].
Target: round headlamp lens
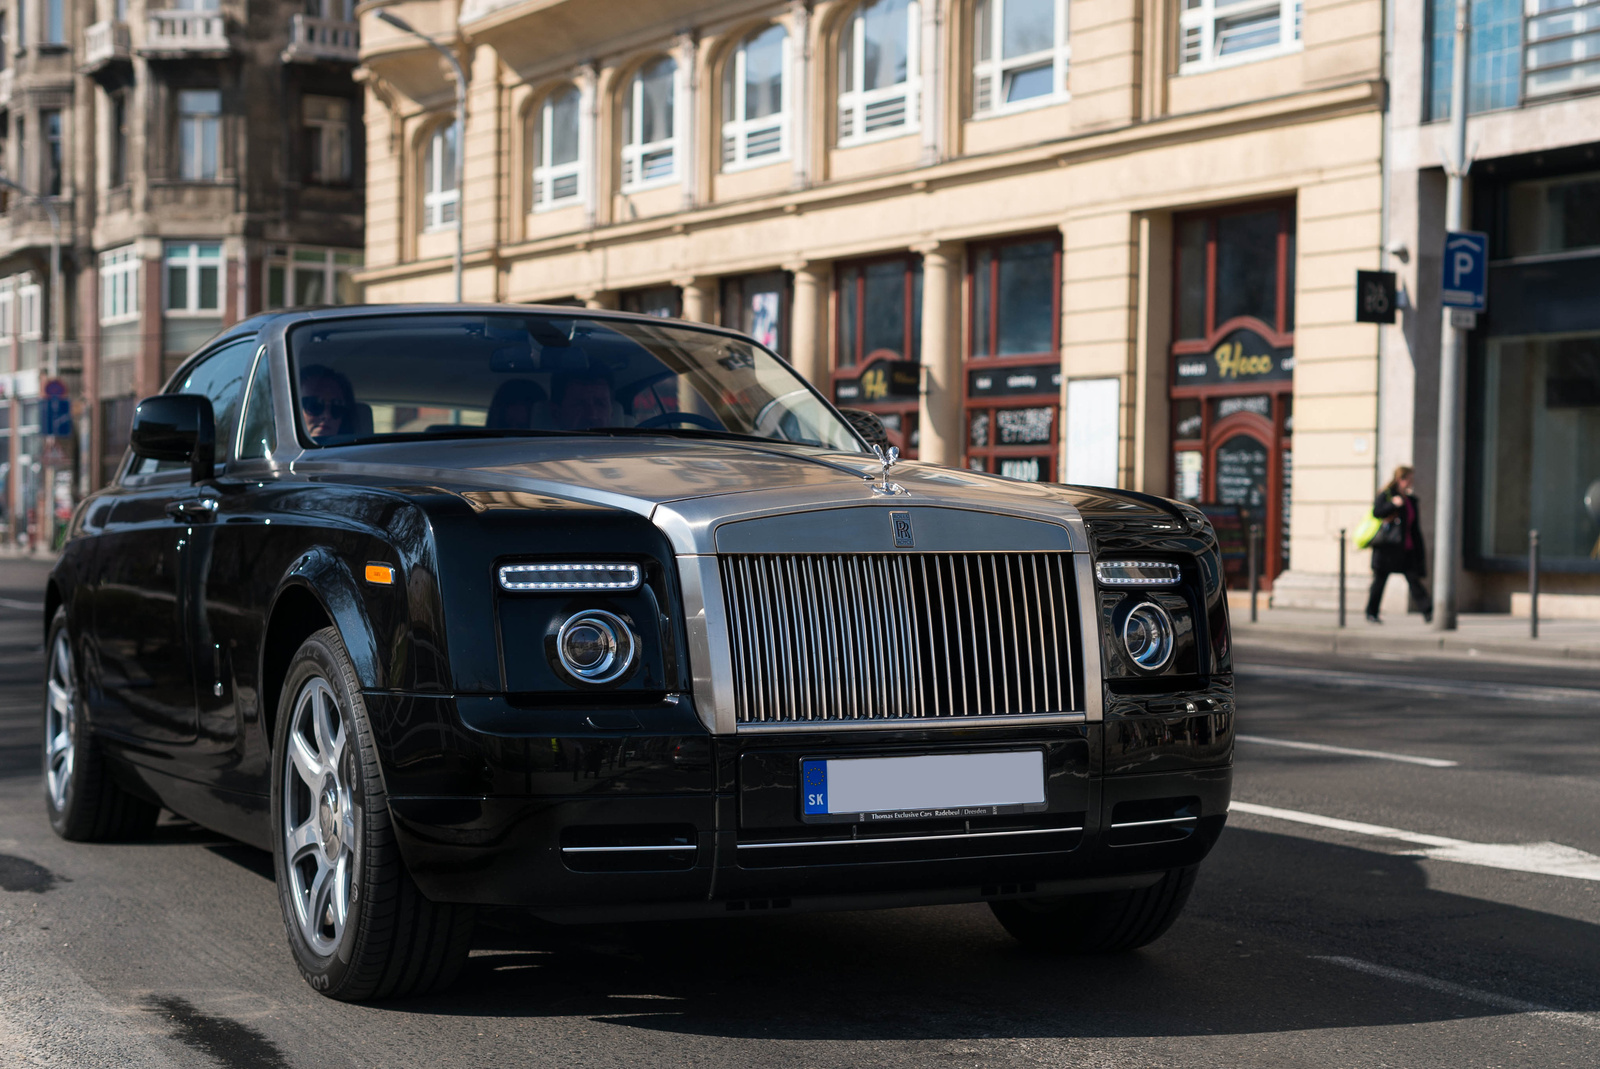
[595, 646]
[1148, 636]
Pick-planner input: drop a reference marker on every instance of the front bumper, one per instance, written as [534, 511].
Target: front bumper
[637, 812]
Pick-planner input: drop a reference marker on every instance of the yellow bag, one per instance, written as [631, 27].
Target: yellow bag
[1368, 531]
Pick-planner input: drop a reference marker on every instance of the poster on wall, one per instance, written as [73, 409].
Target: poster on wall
[1093, 408]
[764, 319]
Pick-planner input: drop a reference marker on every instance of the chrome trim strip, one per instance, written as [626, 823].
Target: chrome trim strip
[1147, 823]
[624, 849]
[968, 723]
[908, 838]
[710, 659]
[1094, 704]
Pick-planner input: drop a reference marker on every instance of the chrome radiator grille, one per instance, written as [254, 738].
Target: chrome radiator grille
[838, 638]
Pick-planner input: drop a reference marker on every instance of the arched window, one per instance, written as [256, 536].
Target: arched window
[1019, 54]
[755, 107]
[555, 147]
[878, 71]
[649, 146]
[440, 196]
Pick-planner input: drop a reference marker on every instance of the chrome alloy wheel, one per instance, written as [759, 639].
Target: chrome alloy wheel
[60, 720]
[319, 825]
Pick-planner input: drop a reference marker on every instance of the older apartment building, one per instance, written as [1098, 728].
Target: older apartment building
[204, 162]
[1104, 241]
[1533, 389]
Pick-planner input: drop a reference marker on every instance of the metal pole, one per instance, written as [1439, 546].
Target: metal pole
[1533, 583]
[1255, 584]
[461, 129]
[1343, 593]
[1452, 356]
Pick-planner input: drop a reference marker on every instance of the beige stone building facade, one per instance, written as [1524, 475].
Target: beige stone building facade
[1100, 241]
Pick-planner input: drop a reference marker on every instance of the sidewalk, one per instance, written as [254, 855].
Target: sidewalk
[1491, 636]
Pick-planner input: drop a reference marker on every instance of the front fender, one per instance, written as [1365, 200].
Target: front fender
[332, 584]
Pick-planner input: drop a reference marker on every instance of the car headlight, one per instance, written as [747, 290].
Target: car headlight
[595, 646]
[1148, 636]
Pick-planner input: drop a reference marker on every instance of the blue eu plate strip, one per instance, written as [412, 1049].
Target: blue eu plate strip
[814, 786]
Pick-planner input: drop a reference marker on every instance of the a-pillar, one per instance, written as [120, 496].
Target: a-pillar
[939, 414]
[699, 299]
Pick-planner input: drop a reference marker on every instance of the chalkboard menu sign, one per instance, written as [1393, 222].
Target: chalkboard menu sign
[1242, 473]
[1233, 539]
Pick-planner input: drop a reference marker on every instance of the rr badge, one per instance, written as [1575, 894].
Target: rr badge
[902, 530]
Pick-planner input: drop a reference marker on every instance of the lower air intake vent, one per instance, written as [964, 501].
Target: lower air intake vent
[1153, 820]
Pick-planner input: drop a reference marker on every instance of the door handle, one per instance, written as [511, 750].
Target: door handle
[191, 509]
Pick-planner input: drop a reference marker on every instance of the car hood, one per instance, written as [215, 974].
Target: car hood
[691, 487]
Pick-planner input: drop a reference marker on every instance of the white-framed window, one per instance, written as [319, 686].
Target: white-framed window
[556, 128]
[755, 100]
[1562, 46]
[326, 123]
[299, 276]
[8, 311]
[1220, 33]
[649, 144]
[194, 278]
[1019, 54]
[30, 310]
[440, 197]
[879, 71]
[55, 22]
[199, 133]
[119, 285]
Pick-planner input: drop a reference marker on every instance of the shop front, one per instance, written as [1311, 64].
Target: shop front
[877, 351]
[1535, 384]
[1232, 384]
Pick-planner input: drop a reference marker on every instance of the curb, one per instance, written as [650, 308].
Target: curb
[1321, 641]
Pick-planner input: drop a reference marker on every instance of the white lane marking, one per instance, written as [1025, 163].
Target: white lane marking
[1393, 682]
[1468, 994]
[1545, 859]
[1430, 762]
[26, 606]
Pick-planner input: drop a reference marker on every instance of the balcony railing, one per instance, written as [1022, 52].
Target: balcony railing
[312, 39]
[105, 42]
[186, 33]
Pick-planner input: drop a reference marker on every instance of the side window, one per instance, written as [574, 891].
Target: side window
[260, 436]
[221, 377]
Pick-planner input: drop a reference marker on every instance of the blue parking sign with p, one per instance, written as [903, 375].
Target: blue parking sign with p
[1466, 270]
[57, 417]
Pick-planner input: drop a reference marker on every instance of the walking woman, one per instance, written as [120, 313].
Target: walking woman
[1397, 547]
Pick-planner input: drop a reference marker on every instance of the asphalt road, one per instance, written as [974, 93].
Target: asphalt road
[1389, 910]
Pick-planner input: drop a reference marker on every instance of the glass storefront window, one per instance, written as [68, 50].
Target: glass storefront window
[878, 320]
[1247, 266]
[663, 302]
[1554, 215]
[1012, 303]
[758, 305]
[1013, 368]
[1541, 447]
[1192, 237]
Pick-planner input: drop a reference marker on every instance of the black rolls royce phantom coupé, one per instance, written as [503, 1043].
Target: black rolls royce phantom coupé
[612, 617]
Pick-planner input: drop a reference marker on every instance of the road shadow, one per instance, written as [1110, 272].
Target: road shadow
[1241, 961]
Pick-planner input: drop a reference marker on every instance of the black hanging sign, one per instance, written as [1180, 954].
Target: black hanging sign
[1014, 381]
[1375, 296]
[1243, 356]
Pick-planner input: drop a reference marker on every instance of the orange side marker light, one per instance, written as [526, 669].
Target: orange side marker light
[381, 574]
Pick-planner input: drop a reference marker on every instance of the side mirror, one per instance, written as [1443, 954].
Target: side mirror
[868, 425]
[177, 426]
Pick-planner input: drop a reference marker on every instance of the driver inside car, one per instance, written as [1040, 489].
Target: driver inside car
[327, 401]
[583, 400]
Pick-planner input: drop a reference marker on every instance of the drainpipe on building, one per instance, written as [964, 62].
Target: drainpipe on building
[1452, 358]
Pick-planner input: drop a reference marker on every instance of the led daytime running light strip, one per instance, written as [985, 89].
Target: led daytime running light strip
[570, 576]
[1165, 573]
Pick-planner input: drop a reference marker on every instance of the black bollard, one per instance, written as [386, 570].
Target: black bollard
[1341, 577]
[1255, 579]
[1533, 584]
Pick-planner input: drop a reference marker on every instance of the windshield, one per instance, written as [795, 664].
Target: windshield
[446, 374]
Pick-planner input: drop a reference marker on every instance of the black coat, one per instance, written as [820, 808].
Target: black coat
[1399, 558]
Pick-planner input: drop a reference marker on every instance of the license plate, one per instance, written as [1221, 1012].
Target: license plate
[924, 787]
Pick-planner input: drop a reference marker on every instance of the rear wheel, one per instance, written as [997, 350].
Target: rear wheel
[357, 924]
[83, 801]
[1107, 922]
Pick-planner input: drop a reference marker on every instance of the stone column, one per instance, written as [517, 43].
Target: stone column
[808, 347]
[589, 140]
[686, 119]
[699, 298]
[599, 299]
[798, 87]
[939, 414]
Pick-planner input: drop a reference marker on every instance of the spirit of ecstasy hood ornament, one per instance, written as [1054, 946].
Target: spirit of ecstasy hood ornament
[888, 459]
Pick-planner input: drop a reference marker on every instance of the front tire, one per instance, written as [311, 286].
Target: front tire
[84, 803]
[357, 924]
[1107, 922]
